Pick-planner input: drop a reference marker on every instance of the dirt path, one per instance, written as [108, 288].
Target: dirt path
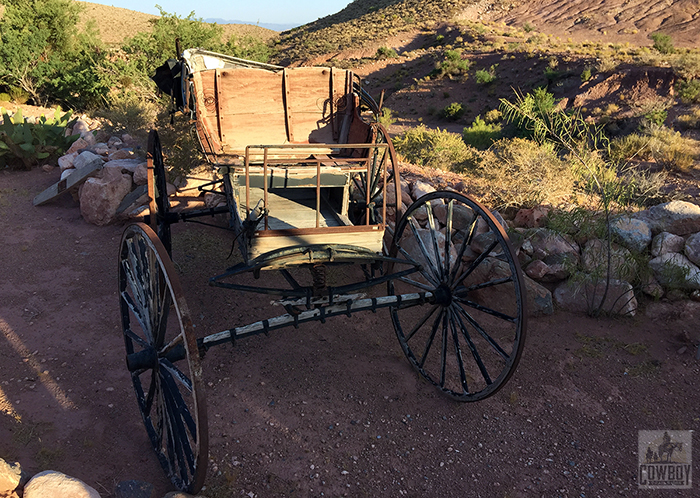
[328, 410]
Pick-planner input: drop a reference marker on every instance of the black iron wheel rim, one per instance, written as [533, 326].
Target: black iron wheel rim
[449, 340]
[162, 358]
[155, 151]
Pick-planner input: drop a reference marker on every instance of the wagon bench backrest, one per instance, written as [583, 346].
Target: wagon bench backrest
[250, 106]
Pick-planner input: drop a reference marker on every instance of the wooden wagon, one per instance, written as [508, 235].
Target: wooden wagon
[310, 180]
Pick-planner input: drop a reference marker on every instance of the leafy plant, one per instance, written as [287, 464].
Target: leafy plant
[586, 74]
[386, 53]
[453, 111]
[26, 143]
[436, 149]
[481, 134]
[688, 91]
[386, 118]
[453, 65]
[484, 76]
[662, 43]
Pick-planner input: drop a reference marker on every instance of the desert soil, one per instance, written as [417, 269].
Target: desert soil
[325, 410]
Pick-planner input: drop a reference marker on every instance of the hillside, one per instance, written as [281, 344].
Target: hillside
[116, 24]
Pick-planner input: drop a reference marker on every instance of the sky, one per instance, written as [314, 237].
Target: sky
[296, 12]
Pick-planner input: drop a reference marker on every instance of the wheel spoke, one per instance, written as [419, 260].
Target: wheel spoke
[448, 237]
[417, 284]
[461, 292]
[424, 250]
[483, 333]
[431, 224]
[484, 309]
[443, 352]
[136, 338]
[474, 351]
[473, 266]
[421, 322]
[177, 411]
[458, 354]
[420, 267]
[469, 234]
[177, 374]
[429, 344]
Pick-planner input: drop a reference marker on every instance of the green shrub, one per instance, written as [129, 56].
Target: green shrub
[662, 43]
[386, 118]
[527, 27]
[688, 91]
[453, 111]
[663, 145]
[586, 74]
[386, 53]
[493, 116]
[484, 76]
[436, 149]
[687, 66]
[453, 65]
[481, 134]
[5, 97]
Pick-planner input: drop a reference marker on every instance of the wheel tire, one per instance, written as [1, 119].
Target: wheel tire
[158, 191]
[162, 357]
[468, 340]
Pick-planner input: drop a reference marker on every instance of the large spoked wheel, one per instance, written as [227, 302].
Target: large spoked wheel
[158, 191]
[367, 187]
[469, 338]
[162, 357]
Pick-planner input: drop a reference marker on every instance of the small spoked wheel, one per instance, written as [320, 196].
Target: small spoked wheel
[158, 191]
[469, 338]
[162, 357]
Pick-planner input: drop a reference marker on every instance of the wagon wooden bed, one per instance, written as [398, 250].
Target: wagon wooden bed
[310, 182]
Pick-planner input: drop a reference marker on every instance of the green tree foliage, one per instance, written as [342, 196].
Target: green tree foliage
[663, 43]
[42, 52]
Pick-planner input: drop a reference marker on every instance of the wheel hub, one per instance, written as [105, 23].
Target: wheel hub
[443, 295]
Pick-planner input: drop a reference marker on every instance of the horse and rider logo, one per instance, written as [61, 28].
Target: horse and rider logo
[665, 459]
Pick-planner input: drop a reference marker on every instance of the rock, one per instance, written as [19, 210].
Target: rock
[180, 494]
[80, 127]
[89, 138]
[77, 145]
[66, 161]
[692, 248]
[134, 489]
[129, 165]
[547, 242]
[635, 234]
[594, 259]
[141, 174]
[539, 298]
[57, 485]
[666, 242]
[100, 197]
[420, 189]
[126, 138]
[121, 154]
[548, 272]
[66, 173]
[538, 269]
[86, 158]
[651, 287]
[677, 217]
[114, 142]
[531, 218]
[676, 271]
[586, 297]
[412, 246]
[101, 149]
[11, 478]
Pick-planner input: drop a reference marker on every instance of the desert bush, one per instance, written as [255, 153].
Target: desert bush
[523, 173]
[662, 43]
[386, 118]
[586, 74]
[481, 134]
[453, 111]
[688, 91]
[687, 65]
[663, 145]
[690, 120]
[453, 66]
[386, 53]
[436, 149]
[43, 53]
[628, 147]
[486, 76]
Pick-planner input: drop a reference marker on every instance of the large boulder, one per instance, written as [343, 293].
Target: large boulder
[692, 248]
[594, 259]
[11, 478]
[677, 217]
[57, 485]
[86, 158]
[676, 271]
[587, 296]
[635, 234]
[666, 242]
[100, 197]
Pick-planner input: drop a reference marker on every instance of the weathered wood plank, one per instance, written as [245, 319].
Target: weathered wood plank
[71, 181]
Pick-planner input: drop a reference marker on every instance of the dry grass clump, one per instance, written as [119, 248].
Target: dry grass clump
[521, 173]
[690, 120]
[663, 145]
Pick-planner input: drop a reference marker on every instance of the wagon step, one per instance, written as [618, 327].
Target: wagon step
[317, 314]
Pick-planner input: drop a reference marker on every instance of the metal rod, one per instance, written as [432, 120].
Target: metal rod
[318, 192]
[265, 187]
[247, 182]
[318, 314]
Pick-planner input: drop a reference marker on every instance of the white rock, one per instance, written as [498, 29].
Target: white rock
[80, 127]
[86, 158]
[635, 234]
[678, 217]
[692, 248]
[89, 138]
[10, 477]
[666, 242]
[129, 165]
[675, 270]
[52, 484]
[114, 141]
[100, 197]
[421, 188]
[66, 173]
